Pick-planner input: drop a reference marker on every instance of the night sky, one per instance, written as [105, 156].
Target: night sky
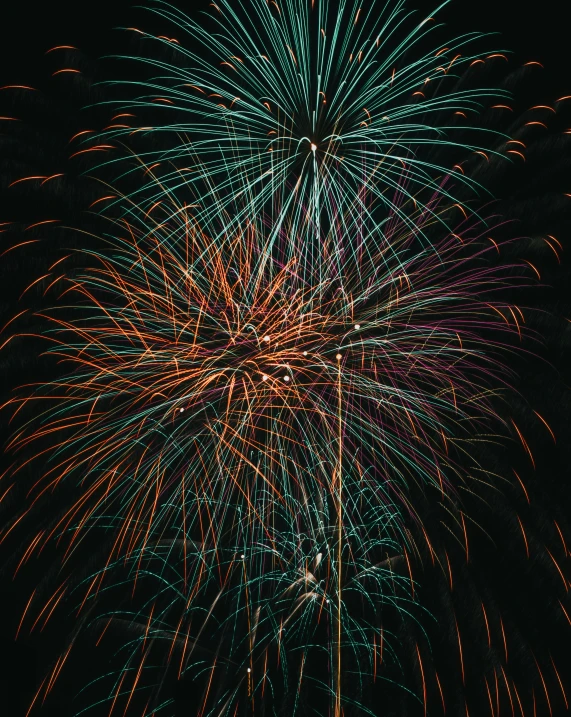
[534, 33]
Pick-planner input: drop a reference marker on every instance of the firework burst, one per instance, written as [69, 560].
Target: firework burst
[307, 109]
[267, 421]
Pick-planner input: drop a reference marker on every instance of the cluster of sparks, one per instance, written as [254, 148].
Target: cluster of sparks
[292, 328]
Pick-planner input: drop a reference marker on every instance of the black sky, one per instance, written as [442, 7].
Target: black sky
[535, 31]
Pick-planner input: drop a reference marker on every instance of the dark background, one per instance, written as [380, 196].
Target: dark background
[27, 30]
[534, 31]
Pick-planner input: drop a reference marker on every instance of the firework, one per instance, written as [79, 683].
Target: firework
[306, 111]
[282, 356]
[260, 432]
